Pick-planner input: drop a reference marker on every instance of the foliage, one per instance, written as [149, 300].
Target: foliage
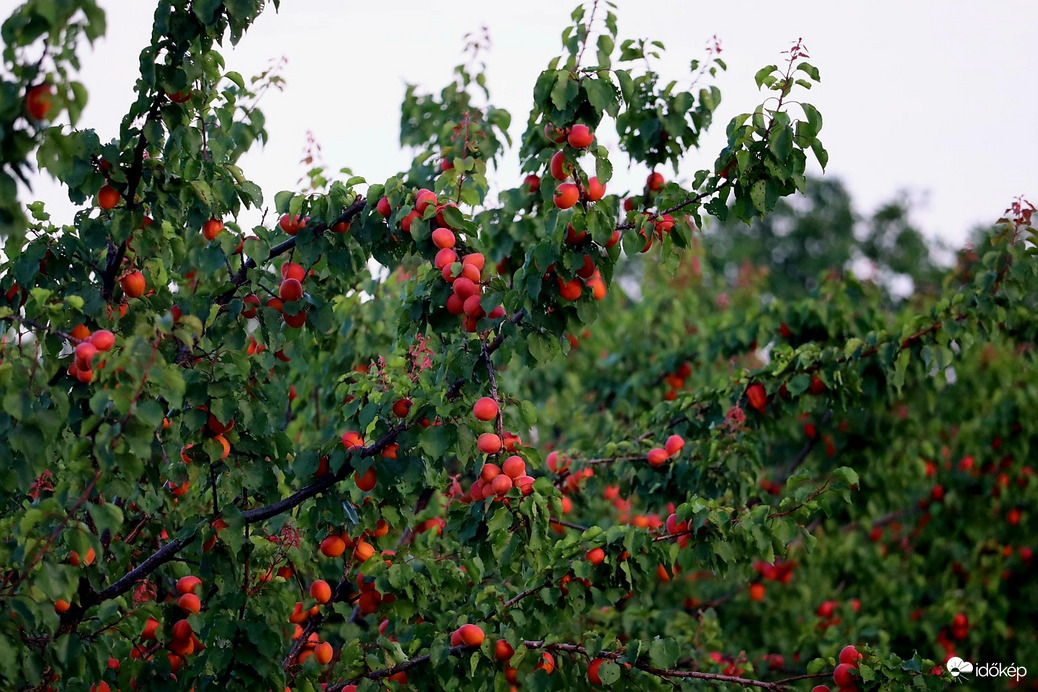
[699, 487]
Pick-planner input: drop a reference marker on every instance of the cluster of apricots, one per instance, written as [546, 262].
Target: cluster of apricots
[844, 674]
[290, 291]
[90, 344]
[567, 194]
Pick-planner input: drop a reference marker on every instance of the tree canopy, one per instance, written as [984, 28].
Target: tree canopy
[406, 434]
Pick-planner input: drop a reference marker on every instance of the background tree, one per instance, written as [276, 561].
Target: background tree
[253, 458]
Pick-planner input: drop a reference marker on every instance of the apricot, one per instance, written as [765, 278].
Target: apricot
[107, 197]
[367, 481]
[566, 196]
[320, 591]
[471, 635]
[485, 409]
[489, 443]
[188, 584]
[333, 546]
[514, 467]
[323, 653]
[190, 603]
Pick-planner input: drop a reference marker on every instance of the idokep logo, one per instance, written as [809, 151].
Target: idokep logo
[956, 666]
[959, 668]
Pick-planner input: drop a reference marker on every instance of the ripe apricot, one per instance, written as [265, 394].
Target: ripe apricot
[290, 290]
[501, 485]
[367, 481]
[471, 635]
[445, 258]
[190, 603]
[212, 228]
[133, 284]
[103, 340]
[107, 197]
[657, 456]
[363, 551]
[580, 137]
[333, 546]
[489, 443]
[566, 196]
[485, 409]
[503, 651]
[352, 440]
[592, 671]
[320, 591]
[323, 653]
[182, 630]
[291, 270]
[595, 190]
[675, 443]
[188, 584]
[514, 467]
[443, 238]
[595, 556]
[61, 606]
[489, 472]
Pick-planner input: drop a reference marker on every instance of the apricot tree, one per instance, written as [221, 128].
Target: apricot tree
[408, 433]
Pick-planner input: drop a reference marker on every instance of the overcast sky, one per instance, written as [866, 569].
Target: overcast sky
[934, 98]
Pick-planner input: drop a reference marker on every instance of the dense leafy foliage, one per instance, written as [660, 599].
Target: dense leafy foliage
[410, 435]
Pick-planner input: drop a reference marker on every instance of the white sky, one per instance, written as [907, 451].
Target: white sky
[937, 98]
